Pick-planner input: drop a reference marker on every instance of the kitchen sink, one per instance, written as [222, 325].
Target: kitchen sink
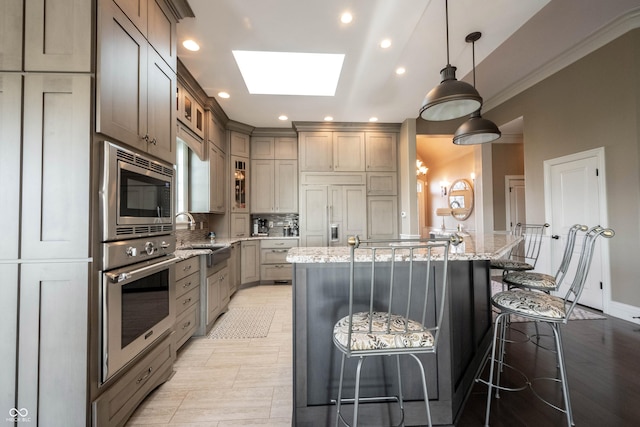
[218, 255]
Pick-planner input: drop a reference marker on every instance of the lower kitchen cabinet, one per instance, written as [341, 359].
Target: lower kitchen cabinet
[116, 404]
[44, 340]
[250, 261]
[234, 268]
[273, 260]
[217, 293]
[187, 299]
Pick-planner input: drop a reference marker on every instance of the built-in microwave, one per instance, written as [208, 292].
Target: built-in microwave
[136, 194]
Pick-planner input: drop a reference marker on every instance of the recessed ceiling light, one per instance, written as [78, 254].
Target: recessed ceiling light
[385, 43]
[346, 18]
[400, 70]
[191, 45]
[224, 95]
[283, 117]
[288, 73]
[328, 119]
[373, 119]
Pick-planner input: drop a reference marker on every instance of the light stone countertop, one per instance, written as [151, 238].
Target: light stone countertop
[473, 247]
[206, 246]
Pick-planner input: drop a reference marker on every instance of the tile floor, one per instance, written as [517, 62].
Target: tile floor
[221, 383]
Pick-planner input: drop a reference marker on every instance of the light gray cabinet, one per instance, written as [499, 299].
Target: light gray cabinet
[56, 223]
[190, 112]
[136, 89]
[240, 144]
[234, 268]
[52, 342]
[217, 293]
[187, 291]
[381, 151]
[331, 213]
[332, 151]
[274, 147]
[155, 22]
[382, 217]
[250, 261]
[273, 259]
[239, 225]
[11, 25]
[207, 181]
[274, 186]
[57, 35]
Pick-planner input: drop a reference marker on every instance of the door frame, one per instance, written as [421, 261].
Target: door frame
[599, 153]
[507, 181]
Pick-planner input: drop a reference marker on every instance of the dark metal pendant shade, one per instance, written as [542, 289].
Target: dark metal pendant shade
[476, 130]
[450, 99]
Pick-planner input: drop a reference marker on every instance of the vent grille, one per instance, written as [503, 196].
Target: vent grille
[144, 230]
[143, 162]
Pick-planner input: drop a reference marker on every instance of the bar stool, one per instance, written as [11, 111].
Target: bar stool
[393, 309]
[540, 307]
[545, 282]
[524, 255]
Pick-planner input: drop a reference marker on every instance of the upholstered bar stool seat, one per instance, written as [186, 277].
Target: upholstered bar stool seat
[403, 333]
[530, 280]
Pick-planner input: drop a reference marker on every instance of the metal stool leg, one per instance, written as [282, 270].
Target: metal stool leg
[357, 393]
[339, 401]
[400, 398]
[424, 387]
[563, 373]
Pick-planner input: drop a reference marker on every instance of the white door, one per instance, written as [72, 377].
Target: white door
[573, 196]
[515, 201]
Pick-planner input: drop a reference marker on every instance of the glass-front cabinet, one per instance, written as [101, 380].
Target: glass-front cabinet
[240, 187]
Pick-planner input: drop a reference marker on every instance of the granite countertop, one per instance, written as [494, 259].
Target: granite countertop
[473, 247]
[207, 246]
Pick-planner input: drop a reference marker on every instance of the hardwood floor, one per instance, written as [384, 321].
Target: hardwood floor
[220, 383]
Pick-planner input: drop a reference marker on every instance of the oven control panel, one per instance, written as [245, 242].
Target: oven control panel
[126, 252]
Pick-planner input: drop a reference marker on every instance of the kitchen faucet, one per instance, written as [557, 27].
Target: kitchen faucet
[192, 221]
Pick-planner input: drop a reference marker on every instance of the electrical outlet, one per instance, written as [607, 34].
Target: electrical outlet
[270, 224]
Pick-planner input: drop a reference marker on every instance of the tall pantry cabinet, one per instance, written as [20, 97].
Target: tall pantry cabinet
[45, 134]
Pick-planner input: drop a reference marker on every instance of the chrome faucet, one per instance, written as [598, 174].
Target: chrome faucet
[192, 221]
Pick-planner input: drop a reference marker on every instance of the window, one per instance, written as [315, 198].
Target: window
[182, 180]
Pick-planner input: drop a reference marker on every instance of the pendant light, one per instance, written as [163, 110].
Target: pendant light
[476, 130]
[451, 98]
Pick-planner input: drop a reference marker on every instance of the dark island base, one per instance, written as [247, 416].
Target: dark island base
[320, 295]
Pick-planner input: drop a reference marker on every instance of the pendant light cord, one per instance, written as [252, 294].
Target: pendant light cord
[473, 58]
[446, 12]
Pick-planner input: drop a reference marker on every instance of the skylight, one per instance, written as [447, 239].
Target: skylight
[287, 73]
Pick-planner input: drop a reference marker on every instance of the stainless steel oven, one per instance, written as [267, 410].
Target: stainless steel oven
[137, 298]
[136, 194]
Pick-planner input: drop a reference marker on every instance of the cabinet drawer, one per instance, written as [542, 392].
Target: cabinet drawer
[275, 272]
[118, 402]
[187, 267]
[187, 300]
[273, 256]
[186, 325]
[278, 243]
[186, 284]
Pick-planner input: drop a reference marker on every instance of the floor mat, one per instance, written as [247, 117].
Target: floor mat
[578, 313]
[243, 322]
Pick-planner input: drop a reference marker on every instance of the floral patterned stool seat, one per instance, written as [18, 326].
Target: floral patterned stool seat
[539, 307]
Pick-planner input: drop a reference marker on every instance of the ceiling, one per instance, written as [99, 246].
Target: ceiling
[522, 42]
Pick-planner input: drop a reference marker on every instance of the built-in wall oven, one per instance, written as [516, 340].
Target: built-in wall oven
[136, 294]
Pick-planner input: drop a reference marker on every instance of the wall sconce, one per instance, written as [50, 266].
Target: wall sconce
[473, 176]
[444, 185]
[421, 169]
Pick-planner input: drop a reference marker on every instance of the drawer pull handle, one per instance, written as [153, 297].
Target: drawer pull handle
[279, 244]
[145, 376]
[187, 301]
[186, 325]
[186, 285]
[279, 251]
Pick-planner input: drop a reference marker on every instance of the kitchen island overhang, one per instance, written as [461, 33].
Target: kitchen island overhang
[320, 293]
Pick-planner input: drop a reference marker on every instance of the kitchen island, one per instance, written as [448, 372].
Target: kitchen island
[320, 297]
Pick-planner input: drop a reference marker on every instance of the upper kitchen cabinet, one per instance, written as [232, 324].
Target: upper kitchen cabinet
[380, 152]
[55, 173]
[11, 25]
[136, 89]
[57, 35]
[274, 186]
[10, 145]
[270, 147]
[239, 144]
[190, 112]
[216, 133]
[156, 23]
[332, 152]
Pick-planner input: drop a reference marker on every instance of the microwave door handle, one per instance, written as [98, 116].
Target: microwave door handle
[115, 278]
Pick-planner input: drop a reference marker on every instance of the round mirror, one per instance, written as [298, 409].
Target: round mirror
[461, 199]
